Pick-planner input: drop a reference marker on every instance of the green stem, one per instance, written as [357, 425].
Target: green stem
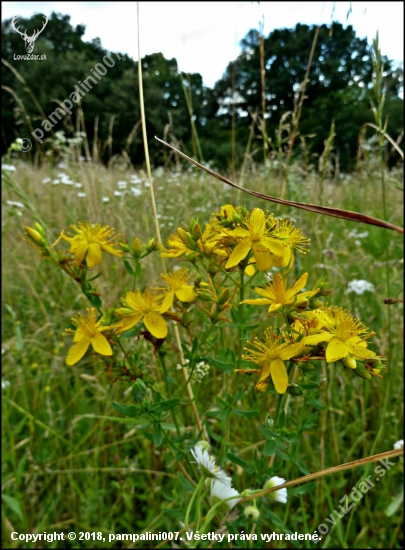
[169, 393]
[279, 399]
[190, 504]
[241, 329]
[198, 509]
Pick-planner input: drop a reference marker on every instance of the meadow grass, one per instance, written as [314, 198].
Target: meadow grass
[71, 463]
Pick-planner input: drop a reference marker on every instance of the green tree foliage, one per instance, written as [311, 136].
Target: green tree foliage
[338, 88]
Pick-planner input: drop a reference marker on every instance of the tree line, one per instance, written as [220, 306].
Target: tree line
[214, 124]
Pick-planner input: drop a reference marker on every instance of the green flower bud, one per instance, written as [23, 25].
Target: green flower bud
[139, 390]
[224, 296]
[251, 513]
[315, 304]
[349, 362]
[294, 389]
[204, 445]
[196, 232]
[186, 238]
[362, 372]
[35, 236]
[124, 246]
[136, 248]
[306, 366]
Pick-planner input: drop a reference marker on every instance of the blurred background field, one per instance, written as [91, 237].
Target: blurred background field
[70, 462]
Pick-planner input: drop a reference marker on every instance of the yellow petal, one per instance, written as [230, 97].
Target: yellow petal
[79, 252]
[186, 293]
[94, 255]
[155, 324]
[279, 375]
[77, 351]
[257, 302]
[336, 350]
[167, 302]
[101, 345]
[317, 338]
[264, 259]
[239, 253]
[299, 285]
[108, 248]
[290, 350]
[265, 370]
[250, 270]
[129, 321]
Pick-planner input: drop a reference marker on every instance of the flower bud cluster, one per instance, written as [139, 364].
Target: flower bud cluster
[200, 371]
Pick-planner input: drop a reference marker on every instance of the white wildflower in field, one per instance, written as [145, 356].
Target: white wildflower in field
[5, 384]
[15, 203]
[122, 184]
[117, 194]
[399, 444]
[105, 199]
[8, 167]
[359, 286]
[46, 180]
[278, 496]
[56, 182]
[136, 192]
[207, 466]
[79, 185]
[358, 235]
[201, 370]
[220, 491]
[81, 194]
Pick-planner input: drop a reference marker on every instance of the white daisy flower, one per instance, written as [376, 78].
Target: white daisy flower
[117, 193]
[136, 192]
[8, 167]
[207, 466]
[399, 444]
[220, 491]
[81, 195]
[15, 203]
[122, 184]
[278, 496]
[105, 199]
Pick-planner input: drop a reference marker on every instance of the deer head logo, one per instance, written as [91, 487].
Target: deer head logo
[29, 40]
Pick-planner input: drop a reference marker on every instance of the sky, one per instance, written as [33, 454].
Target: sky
[204, 36]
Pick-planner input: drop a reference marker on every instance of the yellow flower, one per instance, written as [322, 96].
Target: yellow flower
[146, 307]
[89, 243]
[342, 332]
[271, 355]
[256, 237]
[177, 248]
[292, 238]
[87, 332]
[177, 281]
[276, 295]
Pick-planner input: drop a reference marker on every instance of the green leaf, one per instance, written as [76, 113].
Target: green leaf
[270, 447]
[247, 414]
[132, 411]
[14, 505]
[302, 468]
[226, 367]
[395, 504]
[129, 268]
[309, 385]
[281, 454]
[138, 269]
[157, 435]
[302, 489]
[214, 436]
[315, 404]
[245, 465]
[185, 483]
[166, 405]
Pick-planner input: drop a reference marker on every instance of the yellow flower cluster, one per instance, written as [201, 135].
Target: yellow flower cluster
[234, 239]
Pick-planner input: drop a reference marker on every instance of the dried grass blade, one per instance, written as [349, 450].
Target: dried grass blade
[324, 210]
